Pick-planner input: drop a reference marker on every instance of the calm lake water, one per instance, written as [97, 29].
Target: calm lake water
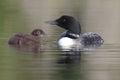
[50, 64]
[25, 15]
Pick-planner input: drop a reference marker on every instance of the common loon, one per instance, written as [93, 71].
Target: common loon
[73, 39]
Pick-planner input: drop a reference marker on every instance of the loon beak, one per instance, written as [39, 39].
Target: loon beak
[52, 22]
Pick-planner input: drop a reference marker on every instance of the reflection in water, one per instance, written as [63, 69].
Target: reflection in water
[70, 58]
[34, 48]
[69, 65]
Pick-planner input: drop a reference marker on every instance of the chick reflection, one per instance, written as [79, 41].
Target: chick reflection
[70, 58]
[27, 42]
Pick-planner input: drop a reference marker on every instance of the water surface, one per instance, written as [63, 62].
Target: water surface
[25, 15]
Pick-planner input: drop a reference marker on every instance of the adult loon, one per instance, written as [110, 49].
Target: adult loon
[73, 39]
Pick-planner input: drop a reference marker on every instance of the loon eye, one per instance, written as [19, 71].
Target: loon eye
[64, 20]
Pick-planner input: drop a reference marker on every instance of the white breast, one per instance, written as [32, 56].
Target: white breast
[66, 43]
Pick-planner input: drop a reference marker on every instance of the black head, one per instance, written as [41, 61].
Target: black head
[37, 32]
[67, 22]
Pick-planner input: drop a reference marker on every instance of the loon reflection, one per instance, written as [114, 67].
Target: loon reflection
[72, 57]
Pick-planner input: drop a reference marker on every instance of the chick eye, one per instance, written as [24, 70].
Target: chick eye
[38, 32]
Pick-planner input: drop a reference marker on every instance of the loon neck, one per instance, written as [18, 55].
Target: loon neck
[72, 35]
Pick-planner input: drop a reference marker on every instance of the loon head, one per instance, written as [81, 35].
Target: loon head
[67, 22]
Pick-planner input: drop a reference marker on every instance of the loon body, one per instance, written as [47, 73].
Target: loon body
[73, 39]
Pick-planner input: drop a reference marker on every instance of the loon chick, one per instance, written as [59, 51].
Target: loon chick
[72, 39]
[21, 39]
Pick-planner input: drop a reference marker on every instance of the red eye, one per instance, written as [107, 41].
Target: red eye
[64, 20]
